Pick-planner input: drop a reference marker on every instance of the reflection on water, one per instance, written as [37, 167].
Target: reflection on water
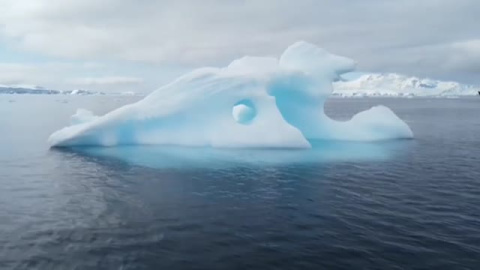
[175, 157]
[387, 205]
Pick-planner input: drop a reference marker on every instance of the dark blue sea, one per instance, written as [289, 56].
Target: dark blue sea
[408, 204]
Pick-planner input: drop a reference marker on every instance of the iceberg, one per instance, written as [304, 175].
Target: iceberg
[82, 116]
[255, 102]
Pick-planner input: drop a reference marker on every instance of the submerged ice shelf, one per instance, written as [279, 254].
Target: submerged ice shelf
[253, 102]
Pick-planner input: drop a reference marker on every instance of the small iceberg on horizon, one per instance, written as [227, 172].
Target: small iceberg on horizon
[255, 102]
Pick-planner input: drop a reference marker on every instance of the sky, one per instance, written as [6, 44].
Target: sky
[138, 45]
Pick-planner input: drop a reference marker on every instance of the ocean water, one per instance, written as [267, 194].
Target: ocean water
[411, 204]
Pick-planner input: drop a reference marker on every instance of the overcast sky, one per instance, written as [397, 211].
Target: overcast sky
[120, 45]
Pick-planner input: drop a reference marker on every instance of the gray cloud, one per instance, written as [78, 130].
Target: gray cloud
[107, 80]
[113, 81]
[64, 76]
[36, 74]
[434, 38]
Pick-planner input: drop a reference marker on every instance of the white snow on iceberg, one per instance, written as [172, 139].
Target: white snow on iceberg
[253, 102]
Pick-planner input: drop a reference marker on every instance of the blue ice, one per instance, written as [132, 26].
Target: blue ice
[255, 102]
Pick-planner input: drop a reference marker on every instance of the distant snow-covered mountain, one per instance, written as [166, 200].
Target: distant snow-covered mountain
[37, 90]
[391, 84]
[374, 84]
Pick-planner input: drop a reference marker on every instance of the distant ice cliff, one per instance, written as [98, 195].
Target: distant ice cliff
[37, 90]
[396, 85]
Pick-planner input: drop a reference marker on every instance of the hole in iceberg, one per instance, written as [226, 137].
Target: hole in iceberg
[244, 112]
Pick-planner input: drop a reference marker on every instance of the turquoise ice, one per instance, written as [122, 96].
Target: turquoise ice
[253, 102]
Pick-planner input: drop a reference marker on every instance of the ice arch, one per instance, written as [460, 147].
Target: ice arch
[253, 102]
[244, 112]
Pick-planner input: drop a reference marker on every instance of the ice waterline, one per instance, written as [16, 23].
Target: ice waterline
[253, 102]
